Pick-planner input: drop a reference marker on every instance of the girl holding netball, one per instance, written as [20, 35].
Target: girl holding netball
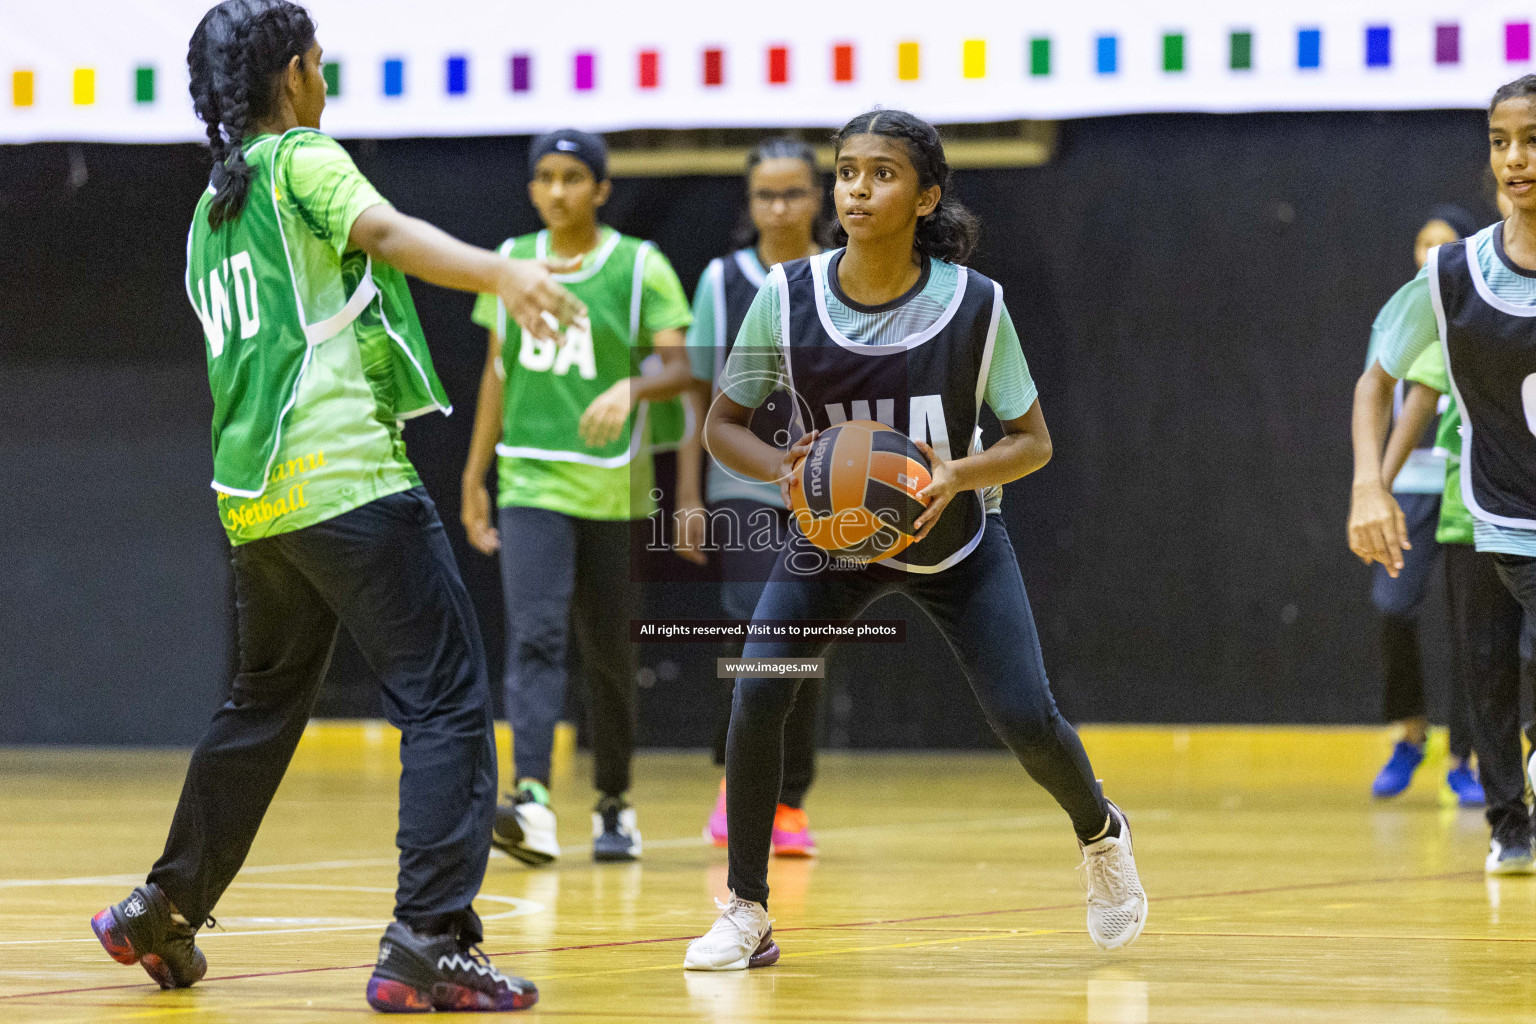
[895, 323]
[296, 268]
[783, 210]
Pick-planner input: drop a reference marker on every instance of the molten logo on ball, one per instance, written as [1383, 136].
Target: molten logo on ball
[855, 494]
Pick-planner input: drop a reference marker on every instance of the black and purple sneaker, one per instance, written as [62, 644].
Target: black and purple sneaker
[420, 973]
[141, 930]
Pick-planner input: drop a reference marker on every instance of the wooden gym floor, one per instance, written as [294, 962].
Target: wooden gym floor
[945, 893]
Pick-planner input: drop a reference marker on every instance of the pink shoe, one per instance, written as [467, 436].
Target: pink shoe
[715, 831]
[792, 835]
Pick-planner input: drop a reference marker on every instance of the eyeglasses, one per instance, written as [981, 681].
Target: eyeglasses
[790, 195]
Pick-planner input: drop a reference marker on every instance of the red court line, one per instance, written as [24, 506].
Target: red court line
[1269, 890]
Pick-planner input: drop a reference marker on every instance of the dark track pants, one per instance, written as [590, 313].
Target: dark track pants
[386, 572]
[558, 570]
[745, 566]
[1485, 651]
[980, 607]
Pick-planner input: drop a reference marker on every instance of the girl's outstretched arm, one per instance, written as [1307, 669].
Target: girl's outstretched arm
[532, 296]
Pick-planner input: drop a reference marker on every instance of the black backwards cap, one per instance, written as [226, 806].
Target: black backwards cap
[584, 146]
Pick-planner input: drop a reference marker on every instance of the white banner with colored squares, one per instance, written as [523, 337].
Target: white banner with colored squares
[89, 70]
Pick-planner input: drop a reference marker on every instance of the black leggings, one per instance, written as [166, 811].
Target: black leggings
[980, 607]
[744, 570]
[1485, 650]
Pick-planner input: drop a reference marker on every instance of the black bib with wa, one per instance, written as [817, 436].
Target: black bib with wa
[929, 386]
[1490, 348]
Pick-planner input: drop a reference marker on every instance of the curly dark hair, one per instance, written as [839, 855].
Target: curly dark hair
[234, 59]
[951, 231]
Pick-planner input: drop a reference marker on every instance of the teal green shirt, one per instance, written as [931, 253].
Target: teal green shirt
[1409, 328]
[757, 360]
[574, 488]
[341, 445]
[1424, 470]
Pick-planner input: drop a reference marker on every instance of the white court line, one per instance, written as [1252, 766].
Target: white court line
[958, 825]
[262, 869]
[520, 908]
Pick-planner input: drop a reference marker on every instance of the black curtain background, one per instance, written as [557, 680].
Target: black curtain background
[1194, 295]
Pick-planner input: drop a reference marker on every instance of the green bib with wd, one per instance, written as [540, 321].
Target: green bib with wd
[267, 295]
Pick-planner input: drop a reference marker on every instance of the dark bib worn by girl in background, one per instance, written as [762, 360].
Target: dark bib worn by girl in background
[736, 279]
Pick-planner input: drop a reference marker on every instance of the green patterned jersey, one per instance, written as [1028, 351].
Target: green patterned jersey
[315, 353]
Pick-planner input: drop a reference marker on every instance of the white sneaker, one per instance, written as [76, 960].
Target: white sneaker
[742, 937]
[615, 831]
[1509, 860]
[1117, 906]
[525, 829]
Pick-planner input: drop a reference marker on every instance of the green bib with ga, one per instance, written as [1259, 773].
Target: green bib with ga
[266, 296]
[549, 385]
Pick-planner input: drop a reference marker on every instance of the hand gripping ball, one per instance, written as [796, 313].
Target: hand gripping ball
[854, 494]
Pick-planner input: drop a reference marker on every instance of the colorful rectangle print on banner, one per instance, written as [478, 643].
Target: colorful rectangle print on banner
[1378, 46]
[1107, 53]
[1517, 41]
[1173, 52]
[842, 62]
[1447, 44]
[1240, 51]
[468, 66]
[1040, 57]
[1309, 48]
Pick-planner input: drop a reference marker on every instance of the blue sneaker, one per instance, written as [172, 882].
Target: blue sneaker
[1397, 773]
[1463, 782]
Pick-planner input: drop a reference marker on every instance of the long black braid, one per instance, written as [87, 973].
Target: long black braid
[234, 58]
